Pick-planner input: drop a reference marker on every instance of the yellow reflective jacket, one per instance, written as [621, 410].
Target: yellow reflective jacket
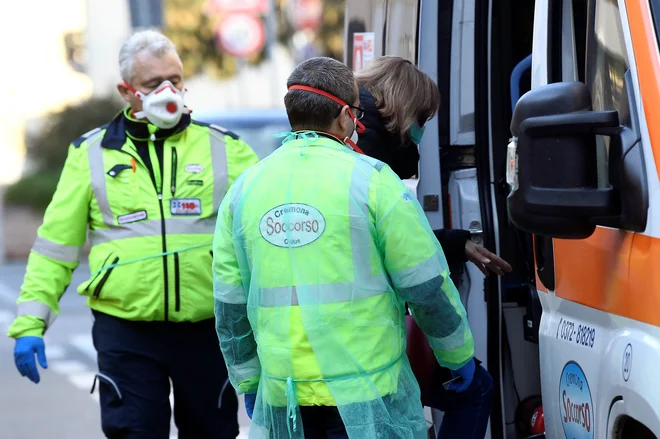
[150, 232]
[317, 249]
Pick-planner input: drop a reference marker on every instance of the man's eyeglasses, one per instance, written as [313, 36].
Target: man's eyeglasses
[357, 111]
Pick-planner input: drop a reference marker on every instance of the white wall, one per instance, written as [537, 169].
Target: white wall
[35, 74]
[108, 25]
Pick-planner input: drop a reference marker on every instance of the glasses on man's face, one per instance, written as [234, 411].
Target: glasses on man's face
[357, 111]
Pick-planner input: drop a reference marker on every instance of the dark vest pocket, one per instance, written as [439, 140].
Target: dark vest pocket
[106, 275]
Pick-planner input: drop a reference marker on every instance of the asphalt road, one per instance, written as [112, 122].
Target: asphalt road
[60, 406]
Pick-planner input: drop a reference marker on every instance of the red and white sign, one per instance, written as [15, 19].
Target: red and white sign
[241, 35]
[132, 217]
[234, 6]
[186, 206]
[363, 49]
[305, 14]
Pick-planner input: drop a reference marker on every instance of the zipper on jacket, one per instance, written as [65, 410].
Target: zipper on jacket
[159, 193]
[173, 171]
[99, 287]
[163, 231]
[177, 292]
[163, 235]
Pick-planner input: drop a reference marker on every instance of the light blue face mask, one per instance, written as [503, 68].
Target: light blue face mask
[416, 132]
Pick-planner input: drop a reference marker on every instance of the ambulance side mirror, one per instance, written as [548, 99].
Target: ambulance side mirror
[552, 163]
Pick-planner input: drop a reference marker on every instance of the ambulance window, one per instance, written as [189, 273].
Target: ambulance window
[607, 61]
[567, 40]
[580, 13]
[655, 13]
[607, 64]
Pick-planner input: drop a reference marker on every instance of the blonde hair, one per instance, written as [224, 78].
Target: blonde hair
[403, 94]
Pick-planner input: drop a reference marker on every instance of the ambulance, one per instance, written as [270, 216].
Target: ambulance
[547, 148]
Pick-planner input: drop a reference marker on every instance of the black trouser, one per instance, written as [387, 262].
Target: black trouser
[319, 422]
[136, 362]
[322, 423]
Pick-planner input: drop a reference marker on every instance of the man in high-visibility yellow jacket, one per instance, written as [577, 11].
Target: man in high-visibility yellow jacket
[317, 250]
[147, 186]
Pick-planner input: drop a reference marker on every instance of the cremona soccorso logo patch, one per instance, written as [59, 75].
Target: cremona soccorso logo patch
[292, 225]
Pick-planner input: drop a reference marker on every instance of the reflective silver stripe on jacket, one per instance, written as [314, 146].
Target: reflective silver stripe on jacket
[316, 294]
[361, 228]
[37, 309]
[229, 293]
[53, 250]
[420, 273]
[173, 226]
[452, 341]
[364, 284]
[97, 173]
[219, 165]
[245, 371]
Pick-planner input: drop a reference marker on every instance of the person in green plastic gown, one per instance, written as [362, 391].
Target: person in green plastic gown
[317, 250]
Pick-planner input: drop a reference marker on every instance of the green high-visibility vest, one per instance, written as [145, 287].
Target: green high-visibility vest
[150, 257]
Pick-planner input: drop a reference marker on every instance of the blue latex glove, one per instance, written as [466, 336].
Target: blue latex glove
[24, 352]
[250, 399]
[466, 373]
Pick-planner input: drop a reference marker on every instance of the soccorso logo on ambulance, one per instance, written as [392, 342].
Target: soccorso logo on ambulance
[292, 225]
[575, 403]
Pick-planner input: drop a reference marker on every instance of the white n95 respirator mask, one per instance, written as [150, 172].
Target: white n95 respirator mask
[163, 107]
[355, 136]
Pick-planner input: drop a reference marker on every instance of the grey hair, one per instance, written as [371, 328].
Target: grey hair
[148, 40]
[310, 111]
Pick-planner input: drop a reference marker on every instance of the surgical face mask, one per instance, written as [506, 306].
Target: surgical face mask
[354, 136]
[163, 107]
[416, 132]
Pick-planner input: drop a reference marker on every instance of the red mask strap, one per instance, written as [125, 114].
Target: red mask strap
[360, 126]
[354, 146]
[347, 141]
[130, 87]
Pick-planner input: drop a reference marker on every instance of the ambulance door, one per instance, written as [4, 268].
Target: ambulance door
[448, 185]
[591, 193]
[447, 189]
[440, 38]
[405, 32]
[374, 28]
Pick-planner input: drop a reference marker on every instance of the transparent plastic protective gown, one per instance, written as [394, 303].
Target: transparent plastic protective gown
[317, 249]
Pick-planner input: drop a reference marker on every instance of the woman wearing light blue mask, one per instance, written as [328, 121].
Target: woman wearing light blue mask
[416, 132]
[398, 100]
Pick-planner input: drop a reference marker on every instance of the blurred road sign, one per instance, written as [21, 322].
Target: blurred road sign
[305, 14]
[358, 51]
[363, 49]
[241, 35]
[245, 6]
